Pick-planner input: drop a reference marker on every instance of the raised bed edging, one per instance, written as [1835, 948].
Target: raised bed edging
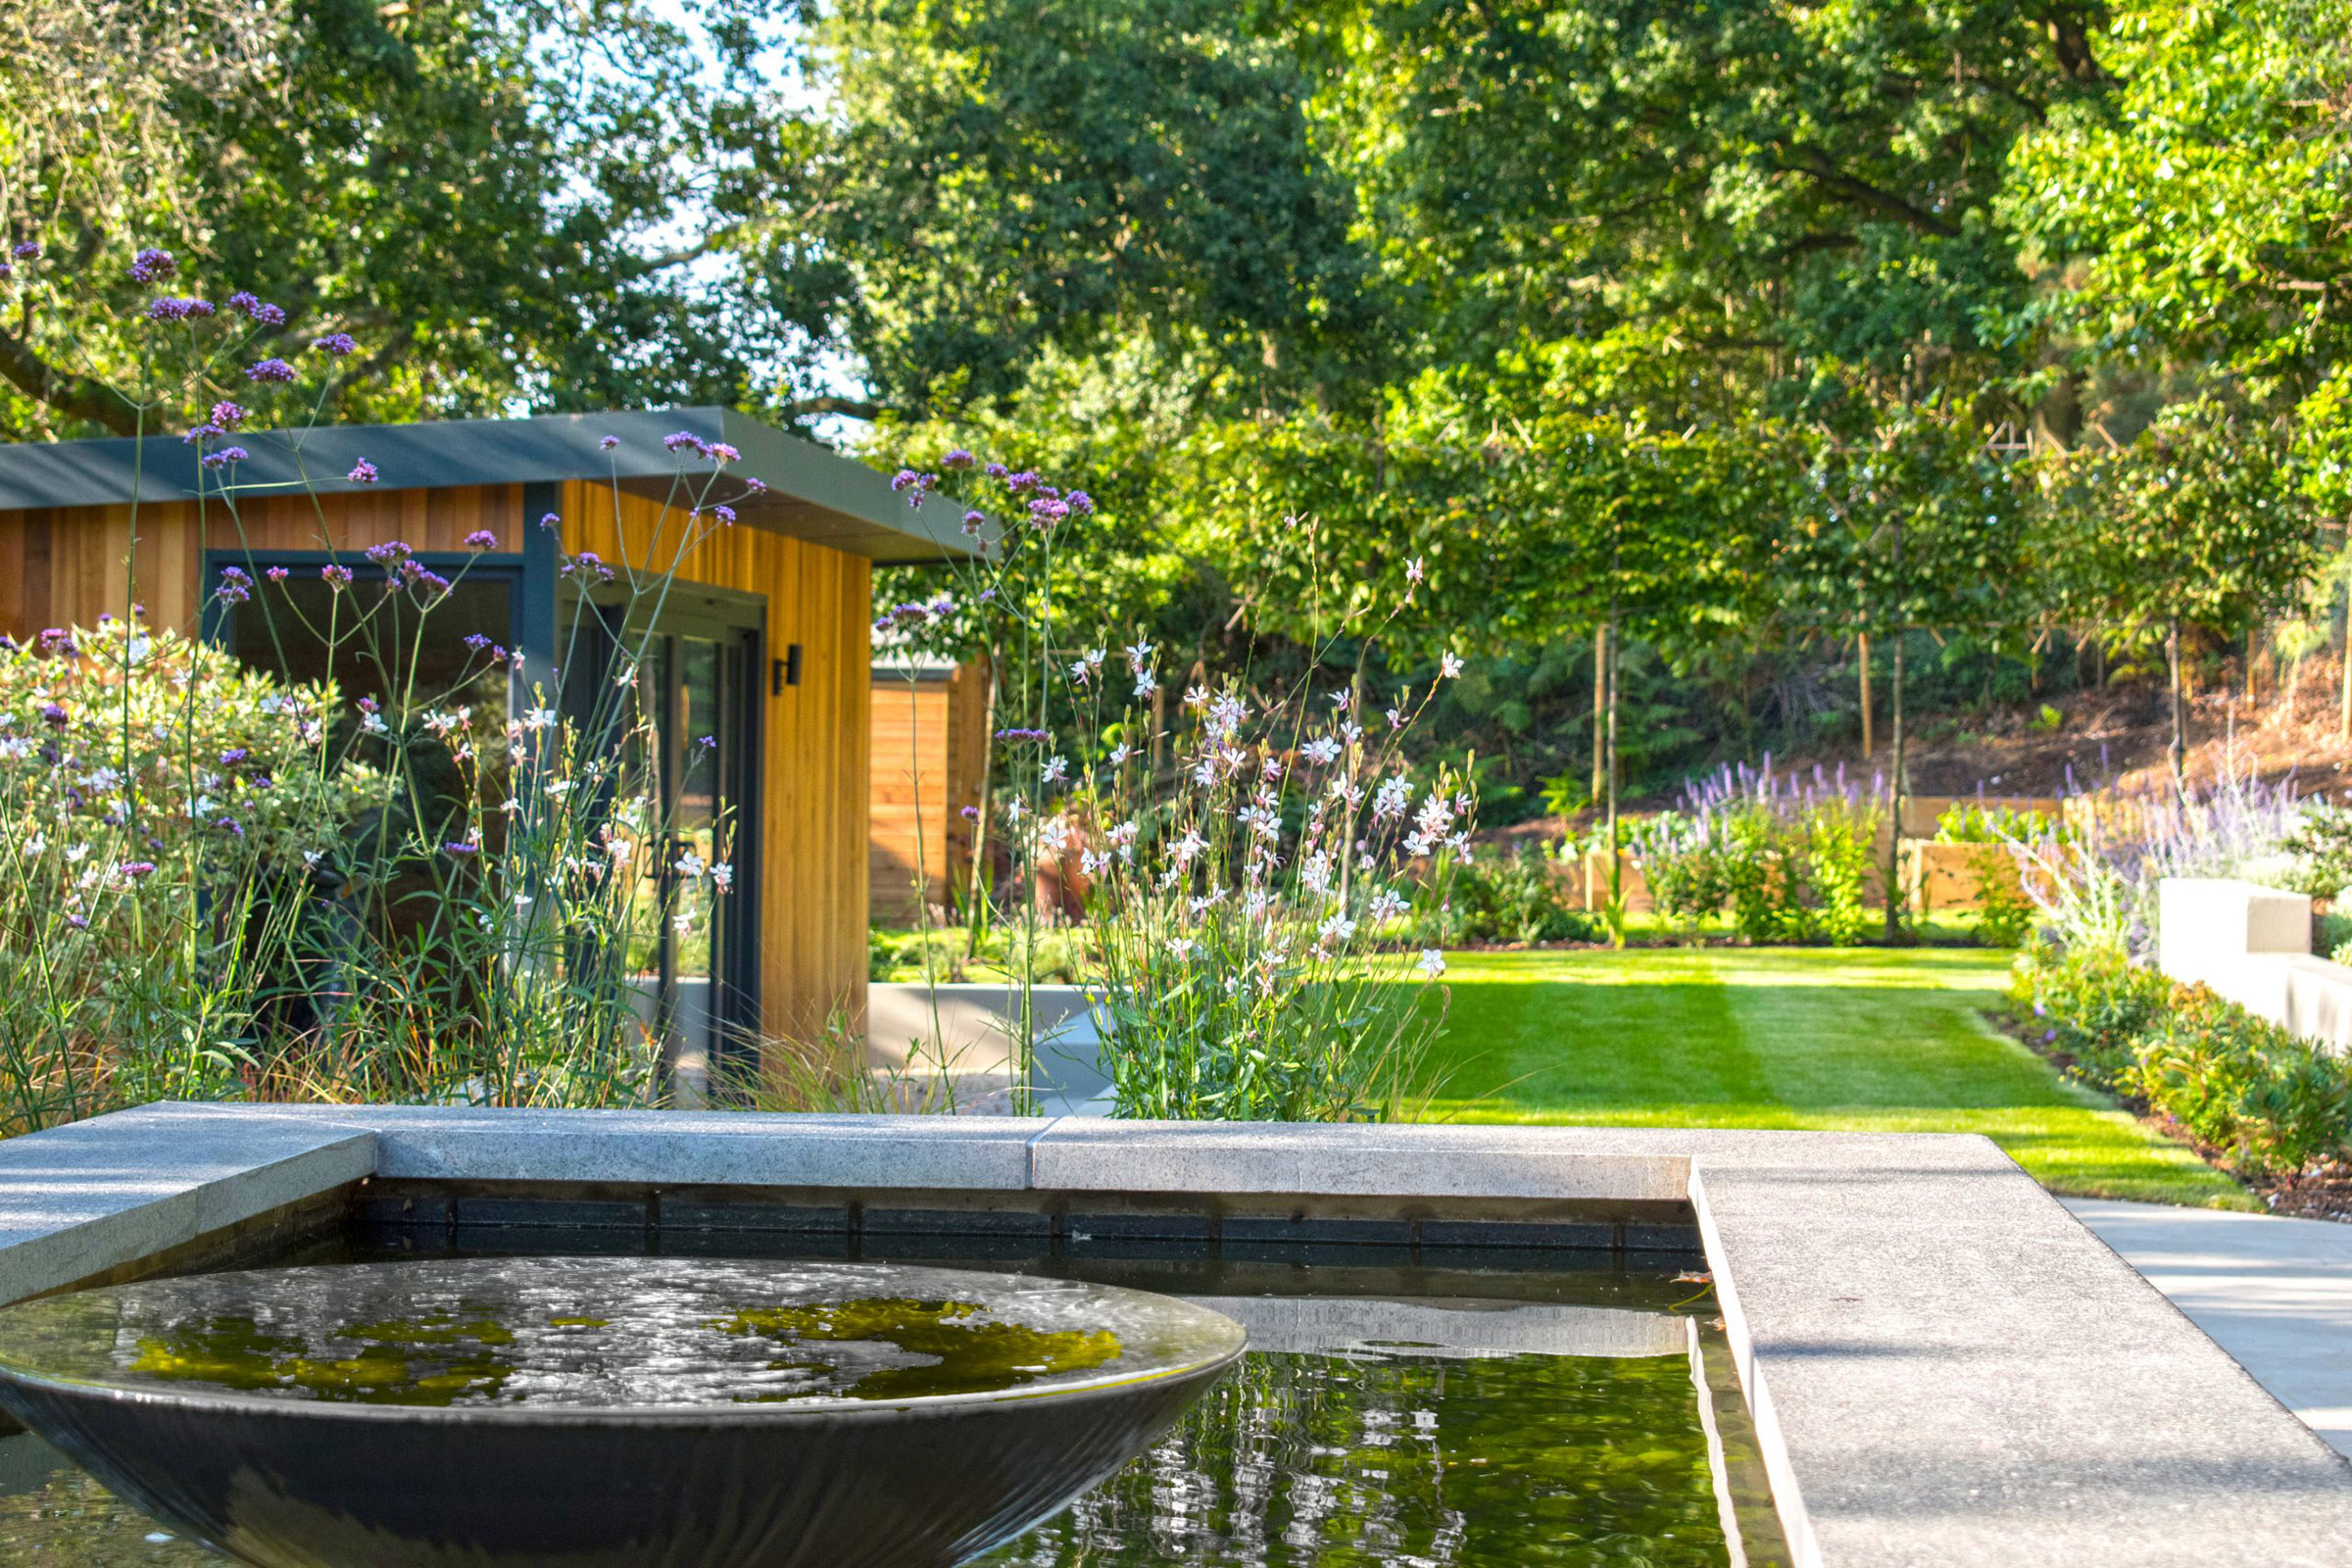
[1944, 1367]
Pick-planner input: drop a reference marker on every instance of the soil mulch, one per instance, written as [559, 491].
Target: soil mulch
[2323, 1193]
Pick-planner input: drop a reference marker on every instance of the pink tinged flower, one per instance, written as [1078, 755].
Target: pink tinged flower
[335, 577]
[1449, 666]
[481, 539]
[269, 369]
[275, 574]
[1413, 570]
[363, 472]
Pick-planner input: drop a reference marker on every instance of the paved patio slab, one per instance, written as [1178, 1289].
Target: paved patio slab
[1945, 1369]
[2274, 1293]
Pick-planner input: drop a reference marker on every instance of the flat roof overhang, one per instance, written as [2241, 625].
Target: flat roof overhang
[812, 494]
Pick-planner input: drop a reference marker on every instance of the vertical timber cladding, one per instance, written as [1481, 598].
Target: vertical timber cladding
[67, 566]
[927, 759]
[813, 846]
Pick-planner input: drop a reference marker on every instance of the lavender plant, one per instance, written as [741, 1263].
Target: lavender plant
[1787, 858]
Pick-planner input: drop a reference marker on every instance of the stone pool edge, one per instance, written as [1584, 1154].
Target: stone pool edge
[1944, 1366]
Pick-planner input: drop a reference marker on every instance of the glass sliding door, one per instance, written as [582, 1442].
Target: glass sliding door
[698, 694]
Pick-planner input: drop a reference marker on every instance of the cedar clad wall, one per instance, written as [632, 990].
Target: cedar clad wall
[812, 871]
[927, 758]
[67, 566]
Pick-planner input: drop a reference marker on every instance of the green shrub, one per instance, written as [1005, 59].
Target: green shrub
[2004, 914]
[2240, 1085]
[2270, 1103]
[1517, 897]
[2092, 1004]
[1787, 867]
[2321, 845]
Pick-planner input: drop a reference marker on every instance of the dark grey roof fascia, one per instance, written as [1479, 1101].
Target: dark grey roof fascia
[812, 494]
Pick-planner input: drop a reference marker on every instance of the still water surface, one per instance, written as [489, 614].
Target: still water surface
[1383, 1416]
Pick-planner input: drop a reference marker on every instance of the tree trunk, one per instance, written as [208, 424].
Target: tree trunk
[1895, 794]
[1862, 642]
[1600, 710]
[2178, 749]
[1616, 858]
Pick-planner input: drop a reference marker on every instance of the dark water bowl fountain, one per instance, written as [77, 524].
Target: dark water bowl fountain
[653, 1412]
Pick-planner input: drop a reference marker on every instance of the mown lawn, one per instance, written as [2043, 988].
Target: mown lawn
[1861, 1040]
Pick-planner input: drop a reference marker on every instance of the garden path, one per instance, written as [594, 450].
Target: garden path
[2274, 1293]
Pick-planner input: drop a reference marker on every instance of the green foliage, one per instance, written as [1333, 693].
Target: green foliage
[2005, 915]
[2321, 851]
[1788, 869]
[2266, 1102]
[1519, 897]
[1974, 822]
[503, 196]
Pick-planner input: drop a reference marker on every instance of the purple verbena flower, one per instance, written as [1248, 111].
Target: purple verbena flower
[28, 250]
[139, 868]
[153, 266]
[723, 514]
[390, 553]
[362, 472]
[236, 586]
[996, 470]
[277, 574]
[233, 755]
[460, 848]
[223, 456]
[335, 577]
[269, 369]
[227, 415]
[608, 443]
[481, 539]
[679, 441]
[754, 486]
[170, 309]
[550, 520]
[54, 715]
[337, 344]
[956, 461]
[477, 642]
[257, 309]
[721, 452]
[200, 434]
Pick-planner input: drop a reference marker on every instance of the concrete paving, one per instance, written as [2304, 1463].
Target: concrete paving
[2276, 1294]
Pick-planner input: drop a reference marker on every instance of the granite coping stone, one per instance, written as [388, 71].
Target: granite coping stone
[1944, 1366]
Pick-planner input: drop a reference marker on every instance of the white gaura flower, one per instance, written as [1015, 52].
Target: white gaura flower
[1335, 930]
[1094, 658]
[1432, 964]
[722, 875]
[373, 723]
[1139, 655]
[1392, 797]
[1057, 768]
[538, 718]
[1145, 684]
[1195, 697]
[1386, 904]
[1120, 753]
[1322, 750]
[689, 864]
[1449, 666]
